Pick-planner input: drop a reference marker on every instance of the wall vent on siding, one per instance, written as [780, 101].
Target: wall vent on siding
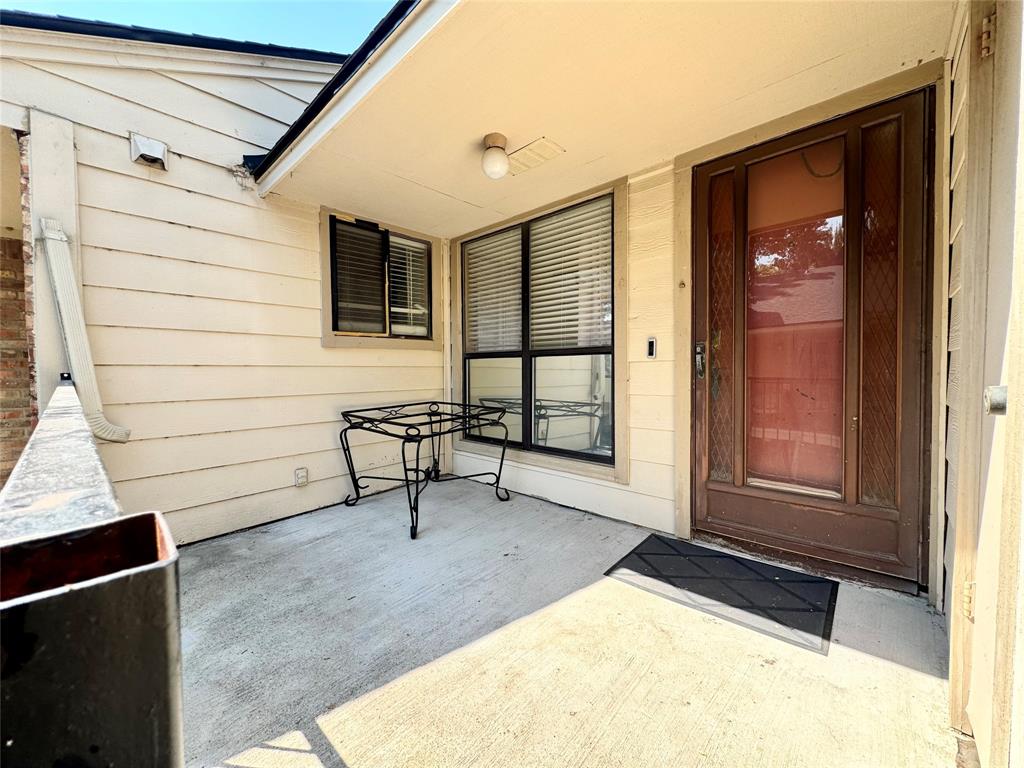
[147, 151]
[533, 154]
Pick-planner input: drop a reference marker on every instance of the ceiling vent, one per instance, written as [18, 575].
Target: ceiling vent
[533, 154]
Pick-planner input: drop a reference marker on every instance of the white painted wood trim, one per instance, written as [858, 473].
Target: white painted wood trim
[48, 45]
[683, 320]
[13, 116]
[974, 276]
[53, 194]
[939, 341]
[448, 391]
[409, 34]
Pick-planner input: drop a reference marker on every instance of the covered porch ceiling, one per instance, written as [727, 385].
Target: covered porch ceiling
[621, 86]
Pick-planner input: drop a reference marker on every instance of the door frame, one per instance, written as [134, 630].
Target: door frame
[907, 558]
[931, 73]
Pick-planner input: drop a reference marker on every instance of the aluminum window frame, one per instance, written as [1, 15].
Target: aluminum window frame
[528, 355]
[332, 229]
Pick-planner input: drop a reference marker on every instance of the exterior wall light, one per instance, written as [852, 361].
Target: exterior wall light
[495, 161]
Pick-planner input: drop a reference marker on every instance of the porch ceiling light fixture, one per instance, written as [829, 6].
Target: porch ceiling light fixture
[495, 161]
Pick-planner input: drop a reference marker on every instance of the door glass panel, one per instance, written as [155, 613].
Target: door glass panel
[573, 405]
[721, 347]
[498, 381]
[880, 274]
[794, 335]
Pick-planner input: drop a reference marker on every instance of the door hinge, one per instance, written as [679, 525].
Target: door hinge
[988, 35]
[967, 600]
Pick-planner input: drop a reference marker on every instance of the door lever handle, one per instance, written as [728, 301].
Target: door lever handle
[699, 359]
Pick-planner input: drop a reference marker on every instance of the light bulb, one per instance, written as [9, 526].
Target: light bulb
[495, 162]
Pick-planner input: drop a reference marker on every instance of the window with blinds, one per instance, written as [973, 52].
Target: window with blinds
[571, 277]
[380, 281]
[358, 279]
[408, 286]
[494, 276]
[553, 277]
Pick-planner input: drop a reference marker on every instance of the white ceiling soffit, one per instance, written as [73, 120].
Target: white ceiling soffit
[620, 86]
[410, 32]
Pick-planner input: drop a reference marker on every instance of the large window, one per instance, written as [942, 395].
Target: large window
[380, 281]
[538, 330]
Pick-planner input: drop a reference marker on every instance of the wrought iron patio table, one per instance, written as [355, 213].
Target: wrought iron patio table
[414, 424]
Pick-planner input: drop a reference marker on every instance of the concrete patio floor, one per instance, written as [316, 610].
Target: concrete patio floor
[331, 639]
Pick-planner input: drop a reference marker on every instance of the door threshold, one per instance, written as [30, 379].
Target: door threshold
[811, 565]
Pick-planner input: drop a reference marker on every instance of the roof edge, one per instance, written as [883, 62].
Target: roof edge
[353, 64]
[68, 25]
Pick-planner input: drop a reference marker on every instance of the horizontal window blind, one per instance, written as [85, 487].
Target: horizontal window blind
[359, 278]
[571, 278]
[408, 289]
[493, 292]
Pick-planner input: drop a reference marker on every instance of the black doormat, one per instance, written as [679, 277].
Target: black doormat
[792, 606]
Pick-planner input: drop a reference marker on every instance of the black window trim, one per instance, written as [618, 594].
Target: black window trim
[332, 230]
[526, 354]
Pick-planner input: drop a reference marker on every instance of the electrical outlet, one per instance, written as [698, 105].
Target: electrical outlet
[301, 477]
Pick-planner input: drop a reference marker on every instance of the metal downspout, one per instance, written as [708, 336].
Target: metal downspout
[76, 342]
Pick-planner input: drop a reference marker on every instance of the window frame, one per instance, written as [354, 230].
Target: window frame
[528, 355]
[329, 335]
[385, 234]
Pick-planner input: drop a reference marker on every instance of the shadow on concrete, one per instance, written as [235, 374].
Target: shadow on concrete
[289, 620]
[286, 622]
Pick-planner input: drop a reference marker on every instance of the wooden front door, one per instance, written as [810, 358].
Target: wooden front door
[809, 374]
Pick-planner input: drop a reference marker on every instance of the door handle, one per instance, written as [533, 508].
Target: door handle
[699, 359]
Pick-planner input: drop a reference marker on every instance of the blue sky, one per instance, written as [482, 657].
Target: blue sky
[326, 25]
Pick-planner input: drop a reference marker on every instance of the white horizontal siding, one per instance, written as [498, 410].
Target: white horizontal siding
[248, 93]
[202, 300]
[166, 96]
[304, 91]
[28, 86]
[116, 231]
[35, 45]
[648, 497]
[176, 418]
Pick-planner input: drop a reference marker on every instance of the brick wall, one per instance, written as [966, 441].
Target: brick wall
[18, 407]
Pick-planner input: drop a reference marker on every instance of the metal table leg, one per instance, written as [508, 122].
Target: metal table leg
[498, 490]
[496, 484]
[414, 487]
[346, 450]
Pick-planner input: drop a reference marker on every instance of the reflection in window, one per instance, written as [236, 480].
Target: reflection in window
[538, 329]
[794, 344]
[573, 406]
[498, 381]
